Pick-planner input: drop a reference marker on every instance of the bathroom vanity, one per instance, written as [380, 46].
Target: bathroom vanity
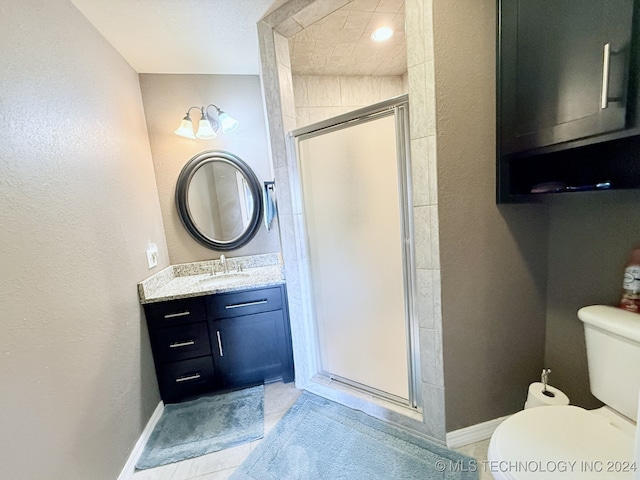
[217, 332]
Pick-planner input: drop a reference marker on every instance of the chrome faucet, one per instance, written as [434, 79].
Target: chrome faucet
[223, 261]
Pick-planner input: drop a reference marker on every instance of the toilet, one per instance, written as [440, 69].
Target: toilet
[569, 442]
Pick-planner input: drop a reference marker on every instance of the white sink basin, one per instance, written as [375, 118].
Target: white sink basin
[218, 280]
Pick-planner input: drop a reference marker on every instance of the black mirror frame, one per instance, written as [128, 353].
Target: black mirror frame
[182, 203]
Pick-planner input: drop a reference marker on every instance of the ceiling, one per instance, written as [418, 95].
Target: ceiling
[340, 43]
[220, 36]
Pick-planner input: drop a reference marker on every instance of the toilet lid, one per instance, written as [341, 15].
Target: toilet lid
[560, 442]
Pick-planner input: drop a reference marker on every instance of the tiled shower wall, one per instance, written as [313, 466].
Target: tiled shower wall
[422, 100]
[320, 97]
[278, 87]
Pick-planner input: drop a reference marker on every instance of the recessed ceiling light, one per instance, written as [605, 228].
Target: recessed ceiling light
[382, 34]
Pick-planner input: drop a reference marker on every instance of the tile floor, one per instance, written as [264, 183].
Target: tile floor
[479, 452]
[278, 398]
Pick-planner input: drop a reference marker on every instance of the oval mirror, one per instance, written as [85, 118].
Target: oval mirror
[219, 200]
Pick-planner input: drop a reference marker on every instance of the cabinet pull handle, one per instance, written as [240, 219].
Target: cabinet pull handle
[248, 304]
[182, 344]
[219, 343]
[181, 314]
[604, 98]
[188, 378]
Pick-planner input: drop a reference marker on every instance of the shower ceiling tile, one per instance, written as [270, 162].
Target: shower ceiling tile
[379, 19]
[351, 36]
[303, 49]
[392, 6]
[342, 54]
[289, 27]
[319, 9]
[357, 20]
[364, 5]
[341, 39]
[334, 21]
[309, 34]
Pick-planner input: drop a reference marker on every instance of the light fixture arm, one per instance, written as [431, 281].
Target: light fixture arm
[191, 108]
[208, 125]
[218, 111]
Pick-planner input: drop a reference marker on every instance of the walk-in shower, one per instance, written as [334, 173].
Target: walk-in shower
[355, 187]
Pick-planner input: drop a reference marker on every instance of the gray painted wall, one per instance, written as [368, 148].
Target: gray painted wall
[493, 259]
[78, 205]
[590, 238]
[166, 99]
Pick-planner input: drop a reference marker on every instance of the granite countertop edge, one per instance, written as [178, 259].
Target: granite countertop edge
[184, 280]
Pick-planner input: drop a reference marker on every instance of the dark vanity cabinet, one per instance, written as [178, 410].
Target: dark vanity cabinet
[250, 336]
[219, 342]
[567, 79]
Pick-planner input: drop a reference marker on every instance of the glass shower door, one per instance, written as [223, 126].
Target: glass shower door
[354, 217]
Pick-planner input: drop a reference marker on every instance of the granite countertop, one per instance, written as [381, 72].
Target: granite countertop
[196, 279]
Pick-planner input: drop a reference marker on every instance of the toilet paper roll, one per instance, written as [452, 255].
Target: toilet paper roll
[538, 398]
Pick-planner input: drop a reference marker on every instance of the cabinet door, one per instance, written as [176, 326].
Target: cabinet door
[563, 70]
[252, 348]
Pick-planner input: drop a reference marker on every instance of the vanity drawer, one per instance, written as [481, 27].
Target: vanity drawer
[189, 377]
[175, 312]
[182, 342]
[246, 302]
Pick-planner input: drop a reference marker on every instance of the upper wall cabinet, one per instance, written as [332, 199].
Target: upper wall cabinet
[566, 80]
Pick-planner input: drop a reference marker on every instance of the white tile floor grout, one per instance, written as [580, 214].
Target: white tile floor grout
[278, 398]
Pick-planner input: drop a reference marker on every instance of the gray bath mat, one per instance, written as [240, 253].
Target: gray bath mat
[208, 424]
[322, 440]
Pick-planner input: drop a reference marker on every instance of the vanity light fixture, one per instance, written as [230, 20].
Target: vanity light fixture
[208, 125]
[381, 34]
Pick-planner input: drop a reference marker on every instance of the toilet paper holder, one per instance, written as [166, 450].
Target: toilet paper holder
[544, 378]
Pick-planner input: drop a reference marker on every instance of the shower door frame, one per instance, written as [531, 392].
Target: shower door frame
[399, 108]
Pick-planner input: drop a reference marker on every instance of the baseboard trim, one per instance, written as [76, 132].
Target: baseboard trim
[130, 466]
[474, 433]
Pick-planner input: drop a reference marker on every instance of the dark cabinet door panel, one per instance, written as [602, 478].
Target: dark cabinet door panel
[564, 70]
[251, 348]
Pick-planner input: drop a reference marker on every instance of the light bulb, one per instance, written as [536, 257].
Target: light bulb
[381, 34]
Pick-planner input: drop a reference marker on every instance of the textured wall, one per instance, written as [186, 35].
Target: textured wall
[493, 259]
[78, 204]
[320, 97]
[166, 99]
[590, 238]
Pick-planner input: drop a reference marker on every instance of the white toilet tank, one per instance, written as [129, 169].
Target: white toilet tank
[613, 354]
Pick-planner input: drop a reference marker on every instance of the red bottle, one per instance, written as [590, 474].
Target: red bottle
[631, 283]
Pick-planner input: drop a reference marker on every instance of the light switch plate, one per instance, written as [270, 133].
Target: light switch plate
[152, 255]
